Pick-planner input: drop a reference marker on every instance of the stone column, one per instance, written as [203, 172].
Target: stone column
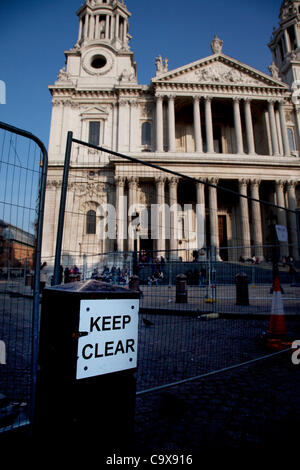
[92, 27]
[238, 126]
[256, 220]
[80, 30]
[52, 202]
[97, 20]
[132, 197]
[245, 225]
[133, 125]
[291, 191]
[213, 217]
[125, 31]
[297, 112]
[117, 26]
[124, 125]
[268, 133]
[296, 26]
[122, 227]
[159, 124]
[209, 126]
[112, 28]
[281, 213]
[273, 128]
[285, 139]
[200, 215]
[287, 41]
[160, 201]
[279, 133]
[249, 127]
[197, 125]
[86, 26]
[173, 184]
[171, 123]
[107, 18]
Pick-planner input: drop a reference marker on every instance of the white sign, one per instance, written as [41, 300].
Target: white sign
[282, 234]
[110, 334]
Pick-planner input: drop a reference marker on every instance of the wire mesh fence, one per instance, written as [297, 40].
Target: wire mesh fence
[23, 166]
[127, 217]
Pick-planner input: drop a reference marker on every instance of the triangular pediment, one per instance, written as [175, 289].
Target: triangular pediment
[219, 69]
[94, 111]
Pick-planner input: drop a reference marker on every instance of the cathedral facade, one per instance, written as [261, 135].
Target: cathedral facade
[216, 119]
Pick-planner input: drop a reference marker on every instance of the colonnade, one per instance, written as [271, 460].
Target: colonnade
[278, 135]
[103, 26]
[248, 233]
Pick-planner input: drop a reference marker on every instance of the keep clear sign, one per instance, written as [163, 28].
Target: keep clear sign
[109, 341]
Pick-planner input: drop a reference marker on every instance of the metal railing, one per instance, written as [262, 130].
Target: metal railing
[23, 173]
[211, 330]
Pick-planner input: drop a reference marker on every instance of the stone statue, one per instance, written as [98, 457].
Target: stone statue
[159, 64]
[274, 71]
[127, 76]
[216, 45]
[166, 66]
[62, 74]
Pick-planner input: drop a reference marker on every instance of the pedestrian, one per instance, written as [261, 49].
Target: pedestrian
[292, 273]
[66, 275]
[202, 275]
[61, 271]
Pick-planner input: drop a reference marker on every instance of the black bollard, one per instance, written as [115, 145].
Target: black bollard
[181, 289]
[242, 294]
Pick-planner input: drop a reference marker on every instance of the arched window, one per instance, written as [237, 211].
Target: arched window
[146, 133]
[91, 222]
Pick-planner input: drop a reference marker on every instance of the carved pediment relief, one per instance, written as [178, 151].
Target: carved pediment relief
[221, 73]
[219, 70]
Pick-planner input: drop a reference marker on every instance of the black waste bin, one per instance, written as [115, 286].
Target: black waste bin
[86, 385]
[242, 293]
[181, 289]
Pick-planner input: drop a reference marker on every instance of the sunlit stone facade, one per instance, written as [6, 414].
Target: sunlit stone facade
[216, 119]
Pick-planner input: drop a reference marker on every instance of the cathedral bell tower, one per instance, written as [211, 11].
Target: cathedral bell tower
[101, 56]
[285, 43]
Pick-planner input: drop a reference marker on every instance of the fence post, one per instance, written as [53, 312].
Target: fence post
[62, 207]
[252, 275]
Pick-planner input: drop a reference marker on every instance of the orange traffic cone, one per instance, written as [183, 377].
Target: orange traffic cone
[277, 326]
[277, 334]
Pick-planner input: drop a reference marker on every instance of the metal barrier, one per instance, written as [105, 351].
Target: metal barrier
[122, 216]
[23, 172]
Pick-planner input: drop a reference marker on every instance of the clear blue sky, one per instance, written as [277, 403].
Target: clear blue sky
[35, 33]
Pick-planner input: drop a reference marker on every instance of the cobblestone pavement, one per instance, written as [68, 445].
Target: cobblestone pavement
[255, 407]
[252, 408]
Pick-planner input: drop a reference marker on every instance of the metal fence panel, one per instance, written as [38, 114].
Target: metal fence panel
[23, 169]
[118, 222]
